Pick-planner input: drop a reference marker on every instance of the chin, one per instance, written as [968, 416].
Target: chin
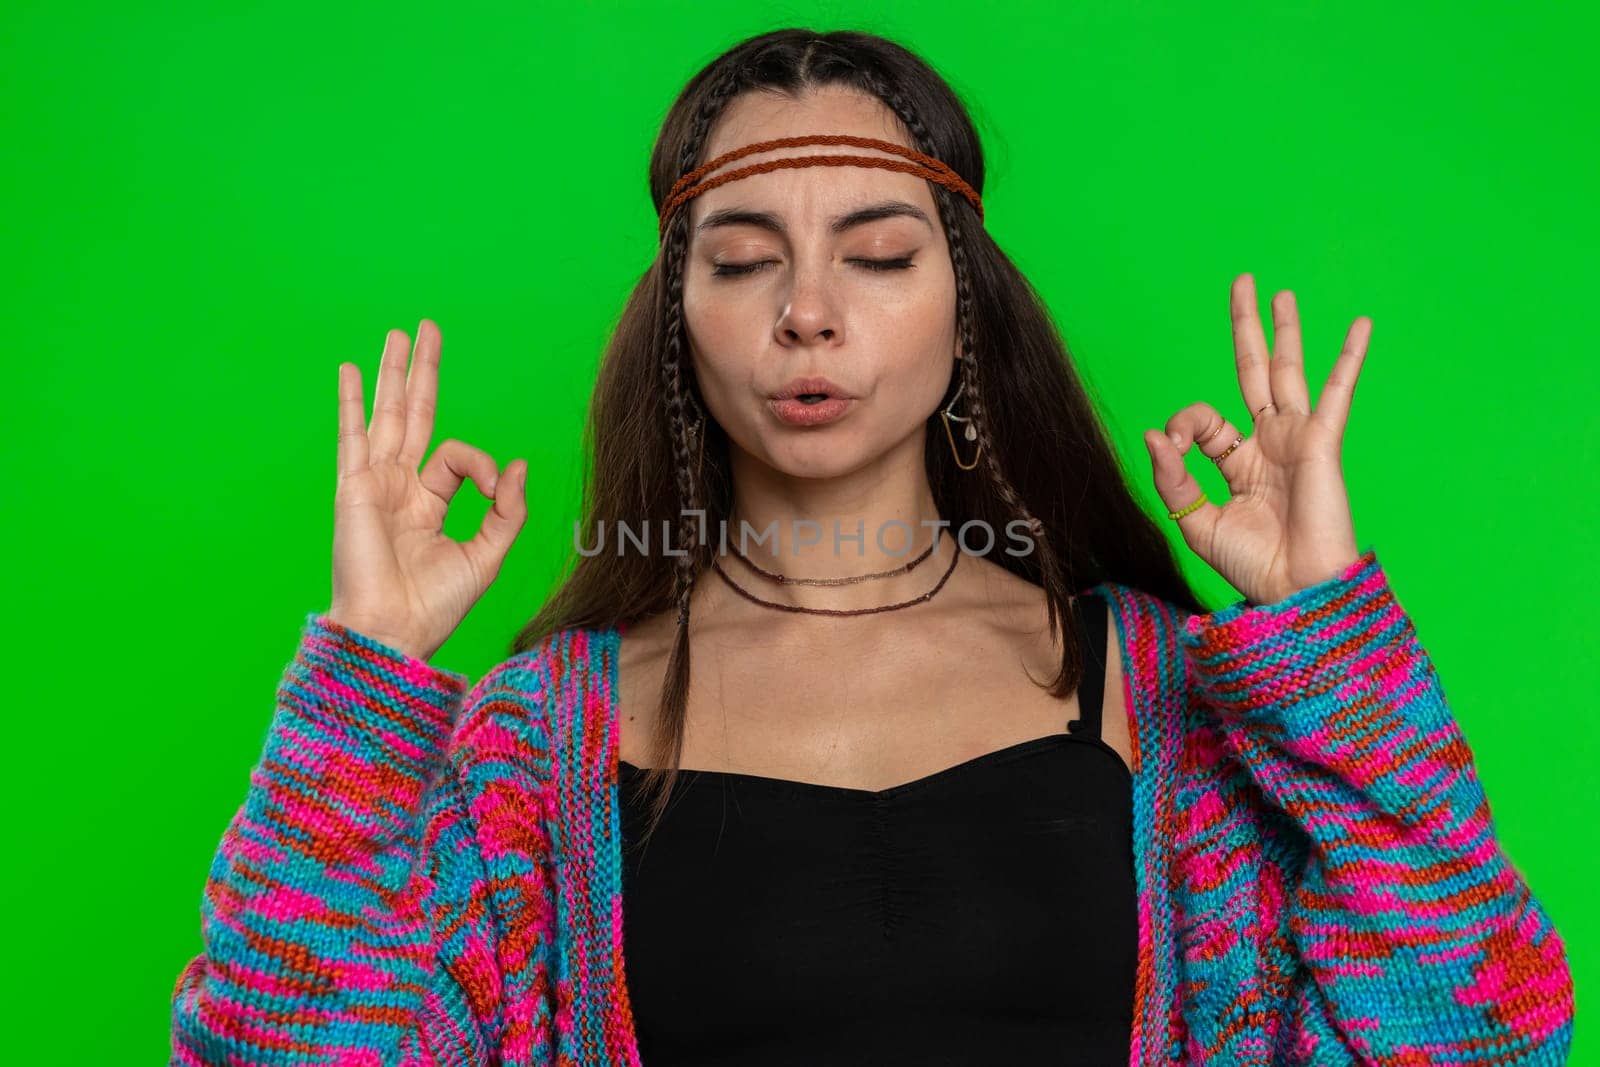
[819, 455]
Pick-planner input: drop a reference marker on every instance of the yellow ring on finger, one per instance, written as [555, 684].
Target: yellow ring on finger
[1189, 508]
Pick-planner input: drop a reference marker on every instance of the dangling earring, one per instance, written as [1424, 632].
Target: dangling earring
[970, 433]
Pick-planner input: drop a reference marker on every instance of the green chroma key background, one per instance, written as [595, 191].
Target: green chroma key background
[208, 207]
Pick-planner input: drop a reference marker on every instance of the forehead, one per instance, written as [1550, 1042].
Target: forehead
[765, 116]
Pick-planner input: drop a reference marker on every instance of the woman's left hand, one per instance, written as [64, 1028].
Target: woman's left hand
[1286, 524]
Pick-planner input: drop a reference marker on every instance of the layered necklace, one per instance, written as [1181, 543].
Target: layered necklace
[783, 579]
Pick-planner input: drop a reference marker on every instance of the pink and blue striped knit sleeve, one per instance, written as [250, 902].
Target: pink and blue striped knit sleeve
[1419, 941]
[346, 918]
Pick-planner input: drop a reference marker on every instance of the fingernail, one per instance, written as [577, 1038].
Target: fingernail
[1173, 437]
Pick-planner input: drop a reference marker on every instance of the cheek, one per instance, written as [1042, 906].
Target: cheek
[932, 336]
[917, 334]
[921, 315]
[718, 321]
[718, 347]
[913, 379]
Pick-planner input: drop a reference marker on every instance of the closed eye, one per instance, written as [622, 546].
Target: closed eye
[734, 269]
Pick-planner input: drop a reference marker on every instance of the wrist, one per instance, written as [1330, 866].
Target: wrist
[407, 646]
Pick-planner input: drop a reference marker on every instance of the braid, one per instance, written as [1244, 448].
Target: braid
[1057, 600]
[1056, 594]
[673, 708]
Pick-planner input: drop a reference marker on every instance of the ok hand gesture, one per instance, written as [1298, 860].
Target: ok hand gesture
[1286, 524]
[396, 577]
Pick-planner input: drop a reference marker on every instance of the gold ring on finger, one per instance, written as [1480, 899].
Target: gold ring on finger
[1226, 452]
[1263, 407]
[1214, 433]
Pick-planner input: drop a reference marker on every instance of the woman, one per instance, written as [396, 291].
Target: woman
[1259, 837]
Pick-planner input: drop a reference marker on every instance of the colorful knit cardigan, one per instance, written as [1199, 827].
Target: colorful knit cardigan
[422, 874]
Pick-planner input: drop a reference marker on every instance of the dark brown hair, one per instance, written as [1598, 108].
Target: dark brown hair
[1045, 453]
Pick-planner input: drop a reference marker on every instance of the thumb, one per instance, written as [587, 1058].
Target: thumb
[1176, 487]
[1166, 465]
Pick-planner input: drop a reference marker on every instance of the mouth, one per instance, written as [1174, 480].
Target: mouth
[810, 408]
[811, 390]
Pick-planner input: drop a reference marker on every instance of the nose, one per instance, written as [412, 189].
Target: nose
[811, 314]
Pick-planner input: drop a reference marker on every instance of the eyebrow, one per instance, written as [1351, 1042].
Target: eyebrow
[886, 209]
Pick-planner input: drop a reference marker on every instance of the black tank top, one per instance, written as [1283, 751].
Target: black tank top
[981, 914]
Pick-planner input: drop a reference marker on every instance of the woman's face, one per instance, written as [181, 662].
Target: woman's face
[800, 297]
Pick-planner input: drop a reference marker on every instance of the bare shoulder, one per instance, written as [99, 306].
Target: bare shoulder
[641, 673]
[646, 641]
[1018, 606]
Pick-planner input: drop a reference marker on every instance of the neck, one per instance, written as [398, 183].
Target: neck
[856, 524]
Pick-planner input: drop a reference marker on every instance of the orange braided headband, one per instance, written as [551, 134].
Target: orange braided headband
[925, 166]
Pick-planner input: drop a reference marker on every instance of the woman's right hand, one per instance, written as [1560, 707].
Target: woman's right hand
[396, 577]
